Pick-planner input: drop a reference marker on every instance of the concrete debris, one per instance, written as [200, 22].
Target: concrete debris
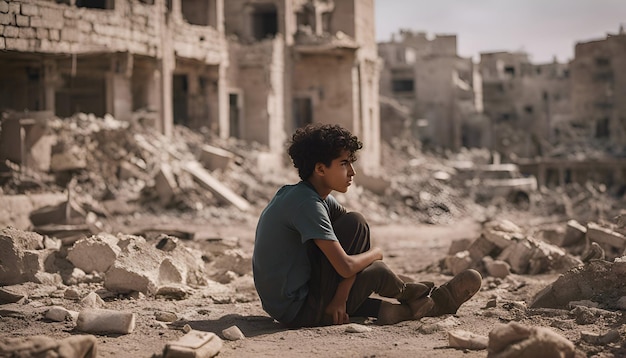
[461, 339]
[163, 316]
[503, 248]
[92, 300]
[613, 243]
[61, 314]
[599, 281]
[516, 340]
[357, 328]
[214, 158]
[22, 255]
[78, 346]
[196, 344]
[600, 339]
[94, 254]
[233, 333]
[105, 321]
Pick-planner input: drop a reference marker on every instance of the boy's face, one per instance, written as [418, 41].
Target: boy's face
[338, 176]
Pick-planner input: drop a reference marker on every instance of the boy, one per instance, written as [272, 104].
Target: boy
[312, 261]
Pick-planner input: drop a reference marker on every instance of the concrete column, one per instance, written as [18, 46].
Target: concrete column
[223, 123]
[50, 75]
[120, 92]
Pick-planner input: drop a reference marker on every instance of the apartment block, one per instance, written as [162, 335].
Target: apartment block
[249, 69]
[427, 77]
[524, 102]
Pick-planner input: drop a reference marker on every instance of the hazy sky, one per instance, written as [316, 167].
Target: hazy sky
[542, 28]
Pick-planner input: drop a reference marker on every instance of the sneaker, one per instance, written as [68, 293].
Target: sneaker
[452, 294]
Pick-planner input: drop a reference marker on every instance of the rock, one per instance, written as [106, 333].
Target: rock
[78, 346]
[164, 316]
[60, 314]
[466, 340]
[233, 333]
[496, 268]
[514, 340]
[94, 254]
[22, 256]
[357, 328]
[105, 321]
[458, 262]
[92, 300]
[574, 234]
[194, 344]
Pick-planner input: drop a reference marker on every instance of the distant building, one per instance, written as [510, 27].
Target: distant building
[599, 90]
[249, 69]
[436, 85]
[523, 102]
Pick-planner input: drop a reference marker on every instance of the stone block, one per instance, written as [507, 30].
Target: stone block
[518, 256]
[105, 321]
[574, 234]
[94, 254]
[604, 235]
[214, 158]
[20, 263]
[459, 245]
[22, 21]
[11, 31]
[60, 314]
[480, 248]
[4, 7]
[194, 344]
[500, 239]
[30, 9]
[496, 268]
[458, 262]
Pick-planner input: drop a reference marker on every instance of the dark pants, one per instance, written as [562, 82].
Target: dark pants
[354, 235]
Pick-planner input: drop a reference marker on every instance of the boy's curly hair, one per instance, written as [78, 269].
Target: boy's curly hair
[320, 143]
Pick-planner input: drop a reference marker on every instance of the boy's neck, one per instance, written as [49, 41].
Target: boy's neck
[321, 190]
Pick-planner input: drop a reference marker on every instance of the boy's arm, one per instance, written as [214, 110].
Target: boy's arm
[337, 306]
[347, 265]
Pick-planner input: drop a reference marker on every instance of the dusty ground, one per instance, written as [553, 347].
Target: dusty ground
[409, 249]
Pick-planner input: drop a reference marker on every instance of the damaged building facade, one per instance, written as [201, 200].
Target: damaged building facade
[250, 69]
[435, 86]
[524, 101]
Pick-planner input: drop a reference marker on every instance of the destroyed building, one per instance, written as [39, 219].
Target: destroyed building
[437, 87]
[523, 101]
[252, 70]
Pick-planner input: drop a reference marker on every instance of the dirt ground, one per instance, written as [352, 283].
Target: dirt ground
[409, 249]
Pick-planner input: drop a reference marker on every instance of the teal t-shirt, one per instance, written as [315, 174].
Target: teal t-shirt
[280, 264]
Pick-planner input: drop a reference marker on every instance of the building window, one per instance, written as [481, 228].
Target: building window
[603, 61]
[302, 111]
[264, 21]
[602, 128]
[404, 85]
[96, 4]
[326, 21]
[510, 70]
[195, 12]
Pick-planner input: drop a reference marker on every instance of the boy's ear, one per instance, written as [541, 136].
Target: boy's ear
[320, 169]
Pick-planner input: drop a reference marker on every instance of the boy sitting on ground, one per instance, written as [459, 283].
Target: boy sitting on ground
[312, 261]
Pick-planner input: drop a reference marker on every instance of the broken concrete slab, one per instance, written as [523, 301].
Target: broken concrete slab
[574, 234]
[165, 184]
[214, 158]
[144, 268]
[14, 209]
[233, 333]
[206, 180]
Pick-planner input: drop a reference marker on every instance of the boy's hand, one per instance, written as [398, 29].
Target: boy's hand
[337, 311]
